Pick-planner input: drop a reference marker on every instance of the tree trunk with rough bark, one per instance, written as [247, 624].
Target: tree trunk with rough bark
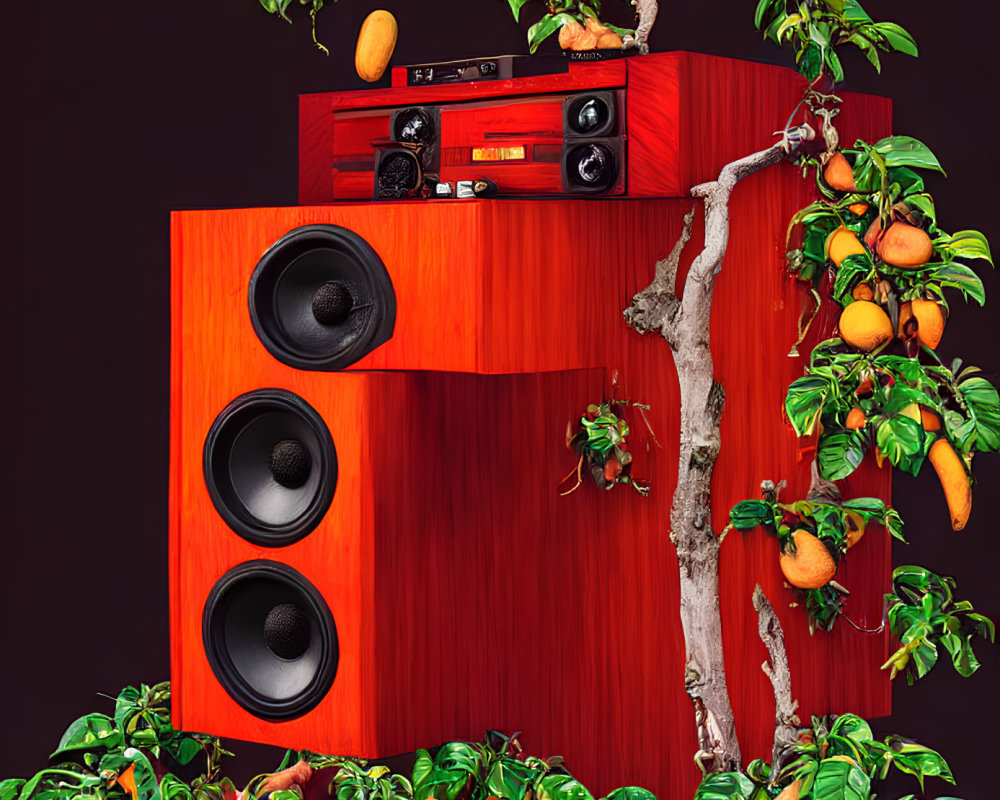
[684, 321]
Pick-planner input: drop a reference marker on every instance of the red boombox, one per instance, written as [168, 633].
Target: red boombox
[368, 549]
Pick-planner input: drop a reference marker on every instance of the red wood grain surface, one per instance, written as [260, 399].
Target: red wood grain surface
[469, 595]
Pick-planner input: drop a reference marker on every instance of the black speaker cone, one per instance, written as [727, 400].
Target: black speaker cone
[320, 298]
[591, 114]
[270, 639]
[270, 467]
[398, 174]
[590, 167]
[414, 126]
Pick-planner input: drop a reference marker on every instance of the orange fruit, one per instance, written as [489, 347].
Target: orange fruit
[930, 319]
[855, 419]
[864, 325]
[568, 34]
[954, 481]
[858, 208]
[855, 527]
[842, 243]
[863, 292]
[811, 565]
[838, 174]
[905, 245]
[587, 40]
[930, 420]
[790, 792]
[874, 233]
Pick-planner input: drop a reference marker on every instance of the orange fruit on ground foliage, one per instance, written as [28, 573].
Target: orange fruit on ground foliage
[838, 174]
[864, 325]
[954, 480]
[855, 527]
[905, 245]
[790, 792]
[855, 419]
[811, 565]
[842, 243]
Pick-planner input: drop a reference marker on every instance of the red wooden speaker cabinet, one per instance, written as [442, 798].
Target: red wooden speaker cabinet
[369, 552]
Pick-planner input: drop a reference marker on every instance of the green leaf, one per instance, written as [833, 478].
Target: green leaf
[958, 276]
[905, 151]
[964, 244]
[631, 793]
[422, 768]
[804, 403]
[562, 787]
[10, 788]
[748, 514]
[899, 38]
[984, 403]
[915, 759]
[762, 8]
[866, 47]
[515, 8]
[725, 786]
[840, 780]
[89, 731]
[544, 28]
[811, 61]
[850, 272]
[839, 455]
[833, 62]
[172, 788]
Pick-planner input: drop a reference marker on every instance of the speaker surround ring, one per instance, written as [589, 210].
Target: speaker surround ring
[264, 683]
[297, 268]
[254, 500]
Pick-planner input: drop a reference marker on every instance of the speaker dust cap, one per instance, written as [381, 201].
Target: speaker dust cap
[321, 298]
[591, 114]
[270, 639]
[270, 467]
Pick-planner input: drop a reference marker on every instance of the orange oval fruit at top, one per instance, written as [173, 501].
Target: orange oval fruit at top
[811, 565]
[930, 319]
[838, 174]
[905, 245]
[865, 325]
[842, 243]
[954, 481]
[376, 41]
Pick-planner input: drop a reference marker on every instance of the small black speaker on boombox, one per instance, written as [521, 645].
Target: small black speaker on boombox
[593, 156]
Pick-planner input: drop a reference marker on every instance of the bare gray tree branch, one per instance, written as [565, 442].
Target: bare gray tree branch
[785, 719]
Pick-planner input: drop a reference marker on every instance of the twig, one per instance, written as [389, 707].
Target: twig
[785, 719]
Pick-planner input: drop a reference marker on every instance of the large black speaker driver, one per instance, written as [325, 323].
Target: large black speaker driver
[320, 298]
[270, 466]
[270, 639]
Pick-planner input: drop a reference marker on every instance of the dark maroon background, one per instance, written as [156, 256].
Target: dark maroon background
[114, 114]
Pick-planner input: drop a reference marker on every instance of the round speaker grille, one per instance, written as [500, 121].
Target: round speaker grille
[591, 114]
[320, 298]
[270, 639]
[270, 467]
[591, 167]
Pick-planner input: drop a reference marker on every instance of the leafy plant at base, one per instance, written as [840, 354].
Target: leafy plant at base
[279, 7]
[890, 391]
[924, 617]
[816, 27]
[837, 758]
[562, 12]
[829, 522]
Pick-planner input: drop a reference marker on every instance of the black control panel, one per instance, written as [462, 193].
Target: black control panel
[482, 69]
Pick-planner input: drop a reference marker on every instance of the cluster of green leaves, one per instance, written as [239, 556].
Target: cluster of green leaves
[280, 7]
[835, 759]
[828, 522]
[890, 390]
[114, 758]
[924, 617]
[354, 781]
[817, 27]
[562, 12]
[887, 184]
[601, 442]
